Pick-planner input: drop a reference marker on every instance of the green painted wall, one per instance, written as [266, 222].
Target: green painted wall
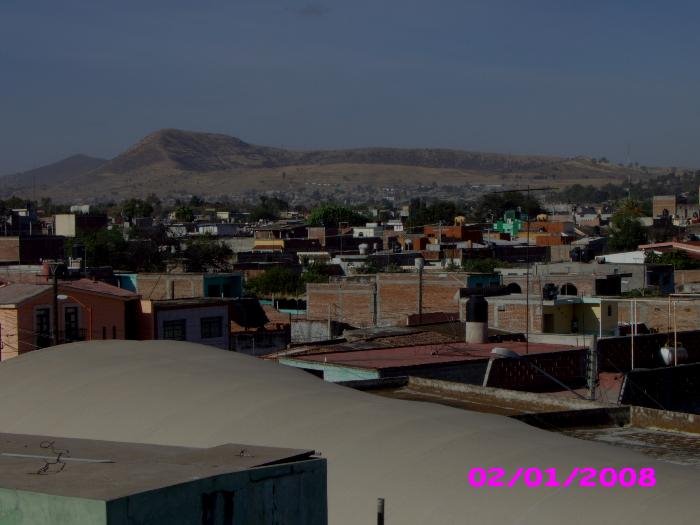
[30, 508]
[333, 373]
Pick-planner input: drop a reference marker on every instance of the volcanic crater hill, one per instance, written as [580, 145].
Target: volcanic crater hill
[172, 162]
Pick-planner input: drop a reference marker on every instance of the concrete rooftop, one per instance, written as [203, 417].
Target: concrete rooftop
[107, 470]
[416, 455]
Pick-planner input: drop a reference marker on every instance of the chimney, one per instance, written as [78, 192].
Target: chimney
[476, 330]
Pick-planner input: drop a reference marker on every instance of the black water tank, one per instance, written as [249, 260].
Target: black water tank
[477, 309]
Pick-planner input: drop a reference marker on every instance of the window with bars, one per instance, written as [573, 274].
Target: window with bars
[212, 327]
[175, 330]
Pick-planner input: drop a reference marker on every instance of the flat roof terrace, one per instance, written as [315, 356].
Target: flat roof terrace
[108, 470]
[381, 358]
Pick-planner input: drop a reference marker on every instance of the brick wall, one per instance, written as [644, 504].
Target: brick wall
[511, 317]
[352, 301]
[160, 286]
[9, 249]
[654, 313]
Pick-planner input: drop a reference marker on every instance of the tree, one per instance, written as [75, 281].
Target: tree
[103, 248]
[626, 232]
[679, 259]
[422, 213]
[486, 265]
[278, 280]
[206, 254]
[184, 214]
[332, 215]
[281, 281]
[496, 204]
[268, 209]
[133, 208]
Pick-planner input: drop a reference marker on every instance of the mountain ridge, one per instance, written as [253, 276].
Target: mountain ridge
[171, 161]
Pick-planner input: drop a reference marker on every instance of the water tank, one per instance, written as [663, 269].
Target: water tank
[476, 327]
[477, 309]
[667, 353]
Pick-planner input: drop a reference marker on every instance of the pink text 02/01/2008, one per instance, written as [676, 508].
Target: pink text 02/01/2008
[549, 477]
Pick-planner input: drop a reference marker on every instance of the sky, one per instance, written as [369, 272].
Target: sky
[564, 77]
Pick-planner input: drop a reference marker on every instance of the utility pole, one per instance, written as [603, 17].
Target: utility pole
[527, 261]
[375, 317]
[419, 265]
[380, 511]
[592, 368]
[54, 266]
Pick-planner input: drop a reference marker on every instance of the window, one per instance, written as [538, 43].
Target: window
[70, 315]
[213, 290]
[43, 327]
[609, 311]
[211, 327]
[175, 330]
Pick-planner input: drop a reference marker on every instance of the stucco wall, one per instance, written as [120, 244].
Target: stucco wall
[192, 317]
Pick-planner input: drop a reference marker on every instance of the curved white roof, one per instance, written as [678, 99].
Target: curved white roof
[416, 455]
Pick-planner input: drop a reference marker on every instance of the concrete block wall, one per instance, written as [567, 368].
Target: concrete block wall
[615, 353]
[567, 366]
[671, 388]
[585, 284]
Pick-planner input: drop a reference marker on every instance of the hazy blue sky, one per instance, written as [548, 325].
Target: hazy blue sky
[554, 77]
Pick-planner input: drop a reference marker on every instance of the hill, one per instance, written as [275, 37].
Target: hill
[174, 163]
[57, 172]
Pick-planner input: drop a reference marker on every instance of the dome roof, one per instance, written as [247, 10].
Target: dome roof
[415, 455]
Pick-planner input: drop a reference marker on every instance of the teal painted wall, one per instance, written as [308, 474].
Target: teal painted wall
[128, 281]
[333, 373]
[232, 285]
[289, 494]
[483, 280]
[30, 508]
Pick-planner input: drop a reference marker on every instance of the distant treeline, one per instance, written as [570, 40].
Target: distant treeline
[686, 182]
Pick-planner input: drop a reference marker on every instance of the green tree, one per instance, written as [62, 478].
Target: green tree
[206, 254]
[278, 280]
[496, 204]
[133, 208]
[103, 248]
[282, 281]
[268, 209]
[626, 232]
[422, 212]
[332, 215]
[184, 214]
[676, 258]
[486, 265]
